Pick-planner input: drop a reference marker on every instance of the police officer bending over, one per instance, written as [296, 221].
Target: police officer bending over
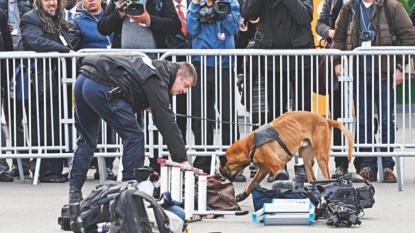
[115, 88]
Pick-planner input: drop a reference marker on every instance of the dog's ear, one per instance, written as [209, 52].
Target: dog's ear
[223, 160]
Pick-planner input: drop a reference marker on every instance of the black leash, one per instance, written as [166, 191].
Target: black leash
[226, 122]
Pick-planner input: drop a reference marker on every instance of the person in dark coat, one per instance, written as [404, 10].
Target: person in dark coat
[181, 40]
[44, 30]
[6, 44]
[115, 88]
[284, 24]
[15, 9]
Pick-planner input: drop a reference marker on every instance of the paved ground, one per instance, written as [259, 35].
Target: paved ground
[35, 209]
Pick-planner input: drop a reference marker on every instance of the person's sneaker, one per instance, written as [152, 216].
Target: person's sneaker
[340, 171]
[240, 178]
[271, 178]
[367, 174]
[6, 177]
[14, 172]
[388, 176]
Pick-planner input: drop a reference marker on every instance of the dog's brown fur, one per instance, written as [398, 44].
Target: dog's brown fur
[305, 132]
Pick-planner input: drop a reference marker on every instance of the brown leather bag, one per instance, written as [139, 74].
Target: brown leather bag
[220, 194]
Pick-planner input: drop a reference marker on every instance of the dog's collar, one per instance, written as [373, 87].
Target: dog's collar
[271, 132]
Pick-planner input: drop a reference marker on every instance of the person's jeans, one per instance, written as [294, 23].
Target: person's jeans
[90, 104]
[367, 87]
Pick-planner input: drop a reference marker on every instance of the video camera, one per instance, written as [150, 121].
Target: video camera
[217, 11]
[338, 200]
[133, 7]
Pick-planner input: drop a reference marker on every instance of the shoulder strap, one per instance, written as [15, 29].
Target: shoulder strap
[162, 219]
[388, 19]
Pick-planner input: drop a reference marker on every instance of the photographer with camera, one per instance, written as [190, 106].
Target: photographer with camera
[367, 23]
[213, 25]
[140, 24]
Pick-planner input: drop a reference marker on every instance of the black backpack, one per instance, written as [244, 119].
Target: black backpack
[120, 204]
[130, 213]
[96, 208]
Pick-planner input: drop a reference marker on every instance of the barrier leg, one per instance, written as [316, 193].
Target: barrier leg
[316, 168]
[20, 167]
[202, 190]
[189, 192]
[213, 164]
[380, 169]
[164, 178]
[36, 176]
[176, 183]
[120, 168]
[399, 173]
[401, 167]
[102, 168]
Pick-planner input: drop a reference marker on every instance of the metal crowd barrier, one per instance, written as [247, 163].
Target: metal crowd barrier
[256, 109]
[273, 59]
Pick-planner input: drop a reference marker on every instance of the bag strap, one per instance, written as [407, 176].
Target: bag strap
[388, 19]
[162, 219]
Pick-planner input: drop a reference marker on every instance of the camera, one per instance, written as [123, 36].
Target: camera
[367, 35]
[217, 11]
[64, 221]
[339, 201]
[339, 214]
[133, 7]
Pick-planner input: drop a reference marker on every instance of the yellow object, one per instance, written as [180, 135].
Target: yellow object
[73, 99]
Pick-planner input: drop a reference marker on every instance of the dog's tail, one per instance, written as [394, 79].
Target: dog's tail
[349, 139]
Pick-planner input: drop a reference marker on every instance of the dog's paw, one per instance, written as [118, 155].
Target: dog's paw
[242, 196]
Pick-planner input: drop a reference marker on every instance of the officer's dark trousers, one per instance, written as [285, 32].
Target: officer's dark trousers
[90, 104]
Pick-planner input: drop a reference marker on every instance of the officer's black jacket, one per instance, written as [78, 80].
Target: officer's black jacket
[144, 87]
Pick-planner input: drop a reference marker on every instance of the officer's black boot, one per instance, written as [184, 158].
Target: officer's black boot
[75, 194]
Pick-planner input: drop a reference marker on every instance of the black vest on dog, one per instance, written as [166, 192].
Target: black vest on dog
[264, 134]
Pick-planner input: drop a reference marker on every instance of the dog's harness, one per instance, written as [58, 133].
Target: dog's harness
[264, 134]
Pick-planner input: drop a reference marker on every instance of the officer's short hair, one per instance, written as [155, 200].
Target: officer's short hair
[187, 70]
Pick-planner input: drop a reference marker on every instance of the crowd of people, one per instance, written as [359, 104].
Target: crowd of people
[66, 26]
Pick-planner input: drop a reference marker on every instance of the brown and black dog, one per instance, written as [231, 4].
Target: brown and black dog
[305, 132]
